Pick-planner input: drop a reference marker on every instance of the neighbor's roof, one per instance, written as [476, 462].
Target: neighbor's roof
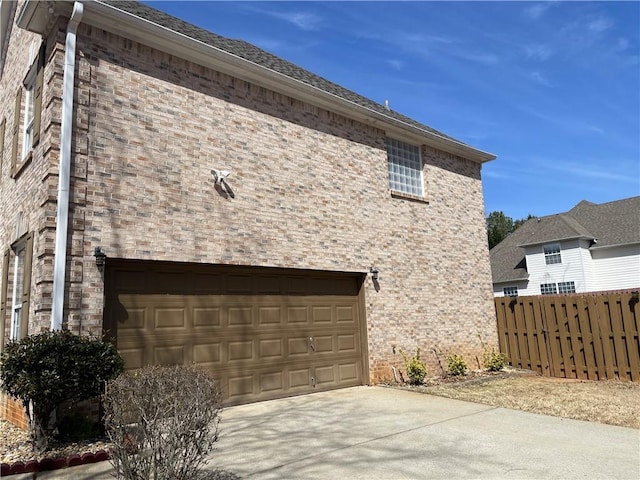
[610, 224]
[274, 72]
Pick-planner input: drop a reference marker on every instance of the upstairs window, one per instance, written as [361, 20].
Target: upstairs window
[29, 115]
[26, 124]
[548, 289]
[510, 291]
[405, 167]
[566, 287]
[552, 254]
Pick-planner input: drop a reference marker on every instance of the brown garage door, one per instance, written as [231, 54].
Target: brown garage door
[264, 333]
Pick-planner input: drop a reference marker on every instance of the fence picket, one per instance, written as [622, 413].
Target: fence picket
[630, 320]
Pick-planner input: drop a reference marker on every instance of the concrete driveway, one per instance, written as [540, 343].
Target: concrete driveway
[381, 433]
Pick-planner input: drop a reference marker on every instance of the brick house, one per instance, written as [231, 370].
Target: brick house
[345, 231]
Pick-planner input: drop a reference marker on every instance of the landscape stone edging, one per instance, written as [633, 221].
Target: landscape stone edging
[53, 463]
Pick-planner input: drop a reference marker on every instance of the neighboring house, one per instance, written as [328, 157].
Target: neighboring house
[264, 278]
[590, 248]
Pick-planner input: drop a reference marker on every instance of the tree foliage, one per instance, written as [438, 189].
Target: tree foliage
[500, 225]
[49, 368]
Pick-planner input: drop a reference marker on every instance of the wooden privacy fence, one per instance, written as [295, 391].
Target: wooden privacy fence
[584, 336]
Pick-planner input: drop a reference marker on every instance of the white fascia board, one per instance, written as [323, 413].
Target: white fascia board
[122, 23]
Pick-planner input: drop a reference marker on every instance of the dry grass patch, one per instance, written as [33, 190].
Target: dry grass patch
[611, 402]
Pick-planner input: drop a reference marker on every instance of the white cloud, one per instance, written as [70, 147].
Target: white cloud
[396, 64]
[536, 11]
[483, 58]
[539, 78]
[539, 52]
[588, 171]
[302, 20]
[599, 24]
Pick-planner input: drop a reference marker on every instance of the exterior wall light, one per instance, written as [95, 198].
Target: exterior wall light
[101, 258]
[374, 273]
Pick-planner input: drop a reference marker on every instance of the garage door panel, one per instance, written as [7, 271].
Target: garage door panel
[240, 351]
[267, 285]
[135, 319]
[324, 344]
[272, 348]
[325, 376]
[297, 346]
[206, 317]
[239, 316]
[321, 314]
[204, 283]
[346, 314]
[348, 373]
[297, 315]
[208, 354]
[170, 355]
[262, 336]
[299, 378]
[239, 284]
[133, 357]
[272, 382]
[270, 316]
[241, 385]
[348, 343]
[170, 318]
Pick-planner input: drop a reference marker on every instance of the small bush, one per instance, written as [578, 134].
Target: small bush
[415, 368]
[494, 361]
[456, 365]
[163, 422]
[50, 368]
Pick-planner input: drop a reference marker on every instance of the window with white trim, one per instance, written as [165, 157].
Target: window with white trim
[405, 167]
[16, 275]
[566, 287]
[548, 289]
[18, 292]
[29, 114]
[552, 254]
[510, 291]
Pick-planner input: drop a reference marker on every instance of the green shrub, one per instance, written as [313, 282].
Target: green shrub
[50, 368]
[456, 365]
[415, 368]
[163, 422]
[494, 361]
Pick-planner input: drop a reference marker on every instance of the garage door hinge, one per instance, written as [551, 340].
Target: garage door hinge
[313, 382]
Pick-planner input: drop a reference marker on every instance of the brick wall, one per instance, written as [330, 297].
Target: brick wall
[13, 411]
[310, 191]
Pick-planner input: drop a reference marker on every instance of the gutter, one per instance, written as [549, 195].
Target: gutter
[64, 174]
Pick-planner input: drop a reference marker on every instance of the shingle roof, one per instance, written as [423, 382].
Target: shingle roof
[263, 58]
[613, 223]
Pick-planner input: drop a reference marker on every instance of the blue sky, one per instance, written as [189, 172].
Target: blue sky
[551, 88]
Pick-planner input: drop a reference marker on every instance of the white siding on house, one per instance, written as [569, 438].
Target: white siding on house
[587, 267]
[616, 268]
[571, 269]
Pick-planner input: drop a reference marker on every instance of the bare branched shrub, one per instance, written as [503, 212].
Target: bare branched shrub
[163, 422]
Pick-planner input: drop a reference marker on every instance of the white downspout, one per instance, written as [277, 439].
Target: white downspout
[64, 174]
